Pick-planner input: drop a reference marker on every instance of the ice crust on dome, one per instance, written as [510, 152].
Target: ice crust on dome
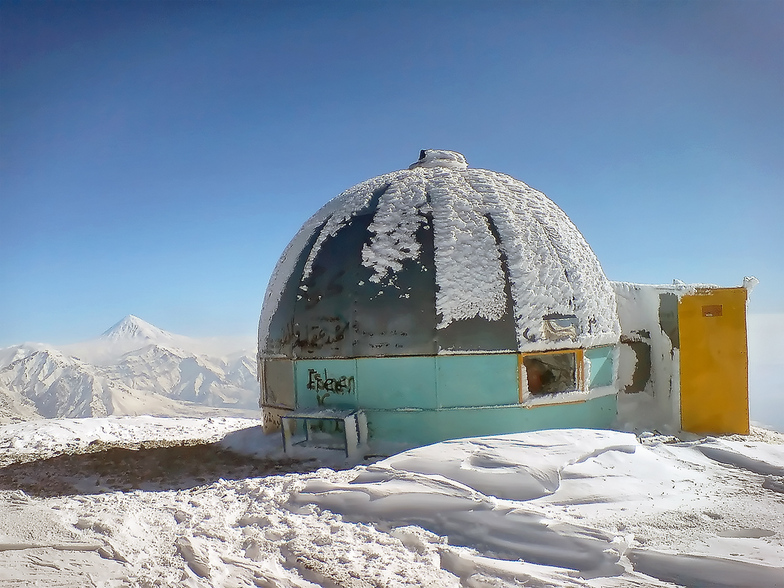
[401, 211]
[469, 277]
[480, 219]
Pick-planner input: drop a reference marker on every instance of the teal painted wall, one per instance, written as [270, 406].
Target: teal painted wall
[397, 382]
[477, 380]
[601, 360]
[430, 426]
[405, 382]
[421, 400]
[326, 382]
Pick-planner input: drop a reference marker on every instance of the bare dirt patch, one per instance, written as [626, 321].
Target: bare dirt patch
[147, 466]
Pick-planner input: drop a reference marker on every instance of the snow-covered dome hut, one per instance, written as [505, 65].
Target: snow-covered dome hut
[443, 301]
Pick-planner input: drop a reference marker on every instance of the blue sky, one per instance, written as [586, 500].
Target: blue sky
[155, 158]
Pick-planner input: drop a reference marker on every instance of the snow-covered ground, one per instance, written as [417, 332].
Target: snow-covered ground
[148, 501]
[123, 501]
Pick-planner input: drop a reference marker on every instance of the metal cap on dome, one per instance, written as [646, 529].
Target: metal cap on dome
[440, 158]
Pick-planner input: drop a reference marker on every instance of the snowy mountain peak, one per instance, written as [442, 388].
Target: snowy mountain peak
[132, 368]
[135, 329]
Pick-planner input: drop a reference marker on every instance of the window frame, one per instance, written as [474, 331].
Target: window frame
[528, 397]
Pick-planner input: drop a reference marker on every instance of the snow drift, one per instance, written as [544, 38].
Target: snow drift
[571, 508]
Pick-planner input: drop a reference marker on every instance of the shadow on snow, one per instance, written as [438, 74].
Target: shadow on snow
[111, 469]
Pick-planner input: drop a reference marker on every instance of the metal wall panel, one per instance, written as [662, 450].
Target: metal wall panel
[328, 383]
[412, 428]
[477, 380]
[277, 383]
[397, 382]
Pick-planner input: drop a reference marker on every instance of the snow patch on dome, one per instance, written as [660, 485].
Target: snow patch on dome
[402, 209]
[469, 277]
[339, 211]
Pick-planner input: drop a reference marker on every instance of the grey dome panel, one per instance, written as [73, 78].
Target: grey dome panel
[338, 310]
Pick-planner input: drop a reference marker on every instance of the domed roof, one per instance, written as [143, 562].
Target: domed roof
[436, 258]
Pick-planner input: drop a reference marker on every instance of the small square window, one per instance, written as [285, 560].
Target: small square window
[550, 373]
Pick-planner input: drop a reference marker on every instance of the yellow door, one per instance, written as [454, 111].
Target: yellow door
[714, 361]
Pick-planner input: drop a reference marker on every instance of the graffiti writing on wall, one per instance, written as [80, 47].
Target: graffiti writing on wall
[324, 386]
[327, 332]
[323, 333]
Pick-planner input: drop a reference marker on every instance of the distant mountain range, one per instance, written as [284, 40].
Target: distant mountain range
[133, 368]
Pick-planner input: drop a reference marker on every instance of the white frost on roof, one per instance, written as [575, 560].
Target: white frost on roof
[401, 211]
[551, 268]
[469, 274]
